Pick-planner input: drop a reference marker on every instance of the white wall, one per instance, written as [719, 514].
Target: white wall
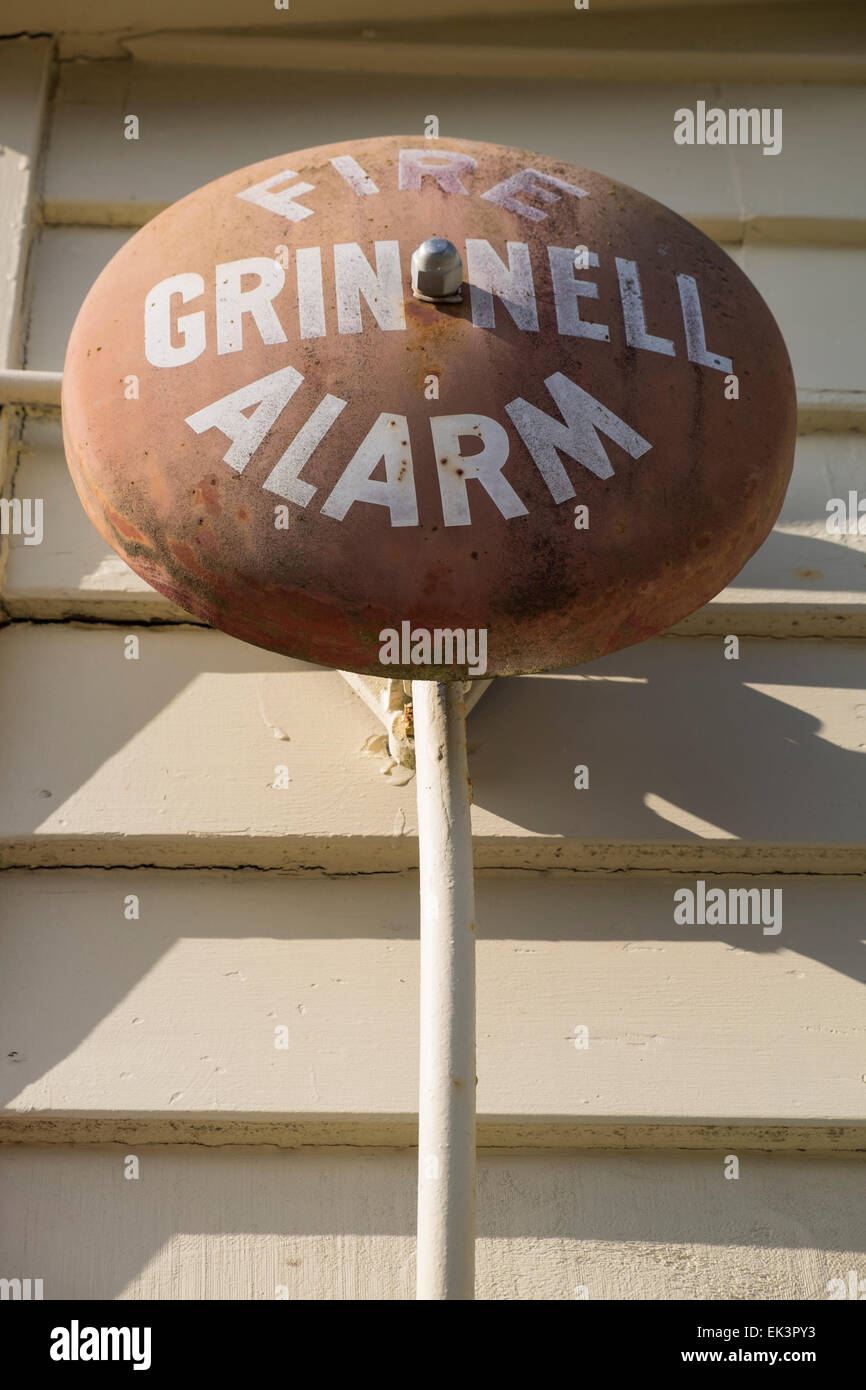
[259, 907]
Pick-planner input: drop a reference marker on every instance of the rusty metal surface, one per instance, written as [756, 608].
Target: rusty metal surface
[667, 529]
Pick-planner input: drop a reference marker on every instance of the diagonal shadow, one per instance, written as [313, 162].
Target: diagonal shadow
[723, 740]
[576, 1201]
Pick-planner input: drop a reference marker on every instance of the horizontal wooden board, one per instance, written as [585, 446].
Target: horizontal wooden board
[72, 572]
[802, 581]
[527, 57]
[174, 1016]
[625, 131]
[81, 19]
[815, 295]
[258, 1225]
[695, 761]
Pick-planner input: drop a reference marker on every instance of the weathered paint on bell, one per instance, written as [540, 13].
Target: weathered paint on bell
[320, 463]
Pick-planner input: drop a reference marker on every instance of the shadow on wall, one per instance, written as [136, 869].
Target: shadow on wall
[82, 962]
[803, 567]
[226, 1224]
[665, 740]
[722, 741]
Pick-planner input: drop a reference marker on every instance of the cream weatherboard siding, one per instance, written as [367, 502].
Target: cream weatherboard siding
[697, 763]
[152, 786]
[244, 1223]
[177, 1025]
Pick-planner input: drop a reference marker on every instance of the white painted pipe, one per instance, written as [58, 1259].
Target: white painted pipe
[446, 1106]
[29, 388]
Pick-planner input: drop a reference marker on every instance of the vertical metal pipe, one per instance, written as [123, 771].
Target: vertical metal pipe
[446, 1107]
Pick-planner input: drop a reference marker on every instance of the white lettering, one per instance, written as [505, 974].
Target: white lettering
[389, 439]
[269, 395]
[311, 299]
[537, 185]
[633, 312]
[693, 322]
[282, 202]
[454, 468]
[382, 289]
[283, 480]
[567, 290]
[232, 302]
[512, 283]
[349, 169]
[577, 437]
[414, 164]
[158, 347]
